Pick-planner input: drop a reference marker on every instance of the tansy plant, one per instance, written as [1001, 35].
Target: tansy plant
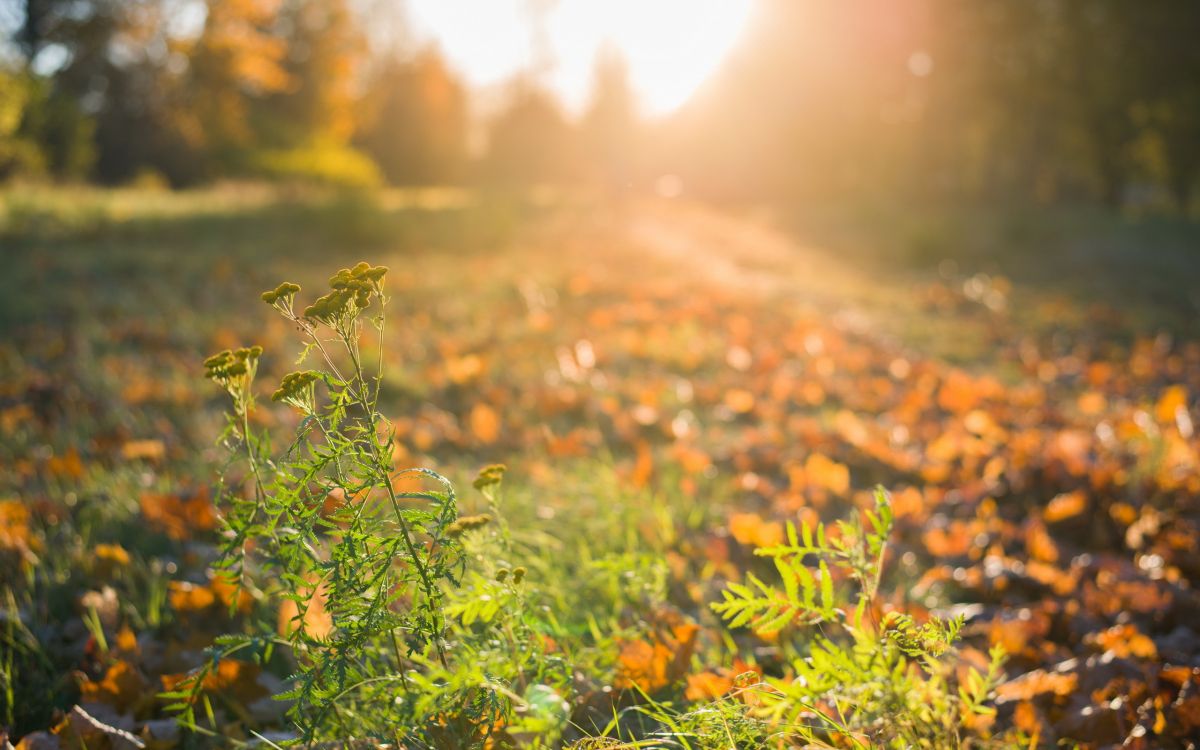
[329, 531]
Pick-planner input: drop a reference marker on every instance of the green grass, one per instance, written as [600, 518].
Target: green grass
[1068, 266]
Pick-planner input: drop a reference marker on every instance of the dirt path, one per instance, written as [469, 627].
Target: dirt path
[747, 253]
[727, 249]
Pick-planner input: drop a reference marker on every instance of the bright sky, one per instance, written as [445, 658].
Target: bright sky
[671, 46]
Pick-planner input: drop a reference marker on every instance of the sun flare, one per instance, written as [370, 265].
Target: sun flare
[671, 46]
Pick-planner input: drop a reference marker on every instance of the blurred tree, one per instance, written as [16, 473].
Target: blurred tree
[416, 128]
[324, 54]
[130, 86]
[1177, 122]
[18, 154]
[63, 135]
[61, 22]
[1170, 69]
[234, 60]
[188, 87]
[530, 142]
[1042, 99]
[113, 61]
[609, 128]
[304, 131]
[1099, 85]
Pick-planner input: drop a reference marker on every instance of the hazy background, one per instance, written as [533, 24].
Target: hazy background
[1043, 102]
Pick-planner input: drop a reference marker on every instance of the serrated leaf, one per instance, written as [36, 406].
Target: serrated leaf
[742, 617]
[791, 582]
[808, 585]
[776, 621]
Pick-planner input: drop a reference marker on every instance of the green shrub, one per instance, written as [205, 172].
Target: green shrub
[323, 164]
[862, 680]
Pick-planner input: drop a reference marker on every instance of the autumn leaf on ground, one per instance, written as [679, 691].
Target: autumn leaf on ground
[1036, 683]
[179, 516]
[123, 687]
[655, 663]
[753, 530]
[315, 619]
[485, 423]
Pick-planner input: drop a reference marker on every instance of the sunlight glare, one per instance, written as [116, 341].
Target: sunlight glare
[670, 46]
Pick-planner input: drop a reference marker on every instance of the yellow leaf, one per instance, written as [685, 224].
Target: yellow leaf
[643, 467]
[1038, 682]
[179, 516]
[707, 686]
[1092, 403]
[464, 369]
[739, 400]
[1064, 506]
[15, 533]
[750, 529]
[1173, 399]
[189, 597]
[111, 553]
[822, 471]
[146, 450]
[126, 640]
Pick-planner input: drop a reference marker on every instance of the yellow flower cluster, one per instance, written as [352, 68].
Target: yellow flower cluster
[284, 291]
[467, 523]
[490, 475]
[294, 385]
[350, 285]
[518, 574]
[229, 365]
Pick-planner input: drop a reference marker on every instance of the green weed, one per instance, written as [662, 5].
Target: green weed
[884, 681]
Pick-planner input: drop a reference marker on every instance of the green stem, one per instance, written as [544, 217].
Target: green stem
[383, 468]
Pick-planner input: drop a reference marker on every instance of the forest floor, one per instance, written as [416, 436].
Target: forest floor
[1030, 402]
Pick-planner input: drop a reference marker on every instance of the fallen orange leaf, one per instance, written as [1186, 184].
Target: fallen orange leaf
[752, 530]
[485, 423]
